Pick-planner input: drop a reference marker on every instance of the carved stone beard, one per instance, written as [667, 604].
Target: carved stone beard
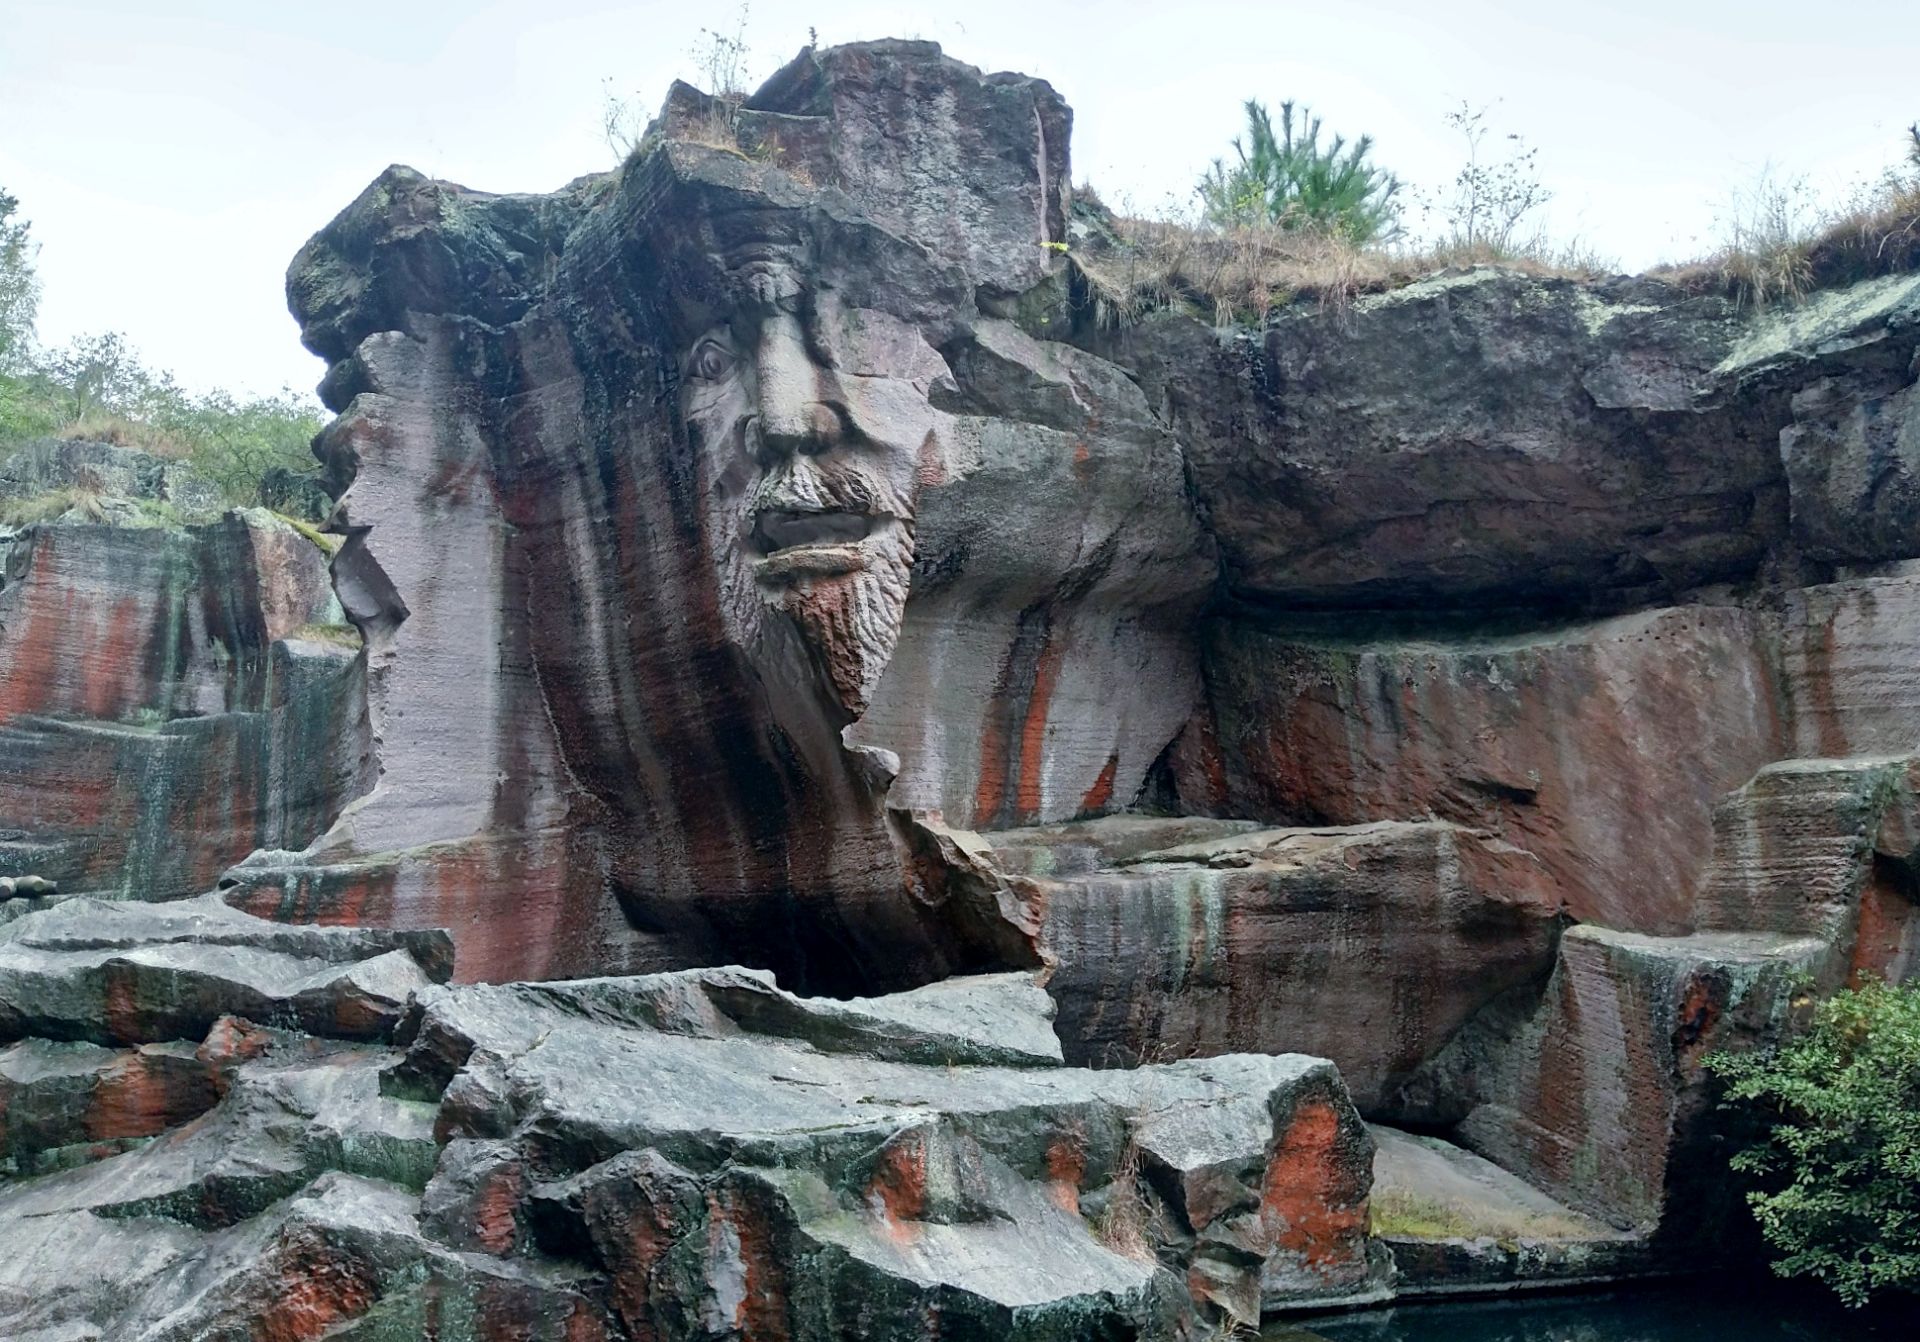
[849, 620]
[852, 621]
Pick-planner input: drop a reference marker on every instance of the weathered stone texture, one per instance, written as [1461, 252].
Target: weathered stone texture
[1601, 747]
[1235, 941]
[685, 1155]
[171, 696]
[764, 554]
[729, 498]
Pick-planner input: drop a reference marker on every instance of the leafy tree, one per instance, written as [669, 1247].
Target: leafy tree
[1290, 180]
[19, 286]
[235, 440]
[102, 375]
[1840, 1168]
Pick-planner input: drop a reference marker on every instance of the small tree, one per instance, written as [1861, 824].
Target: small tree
[19, 286]
[1492, 197]
[1840, 1168]
[102, 375]
[1291, 181]
[720, 67]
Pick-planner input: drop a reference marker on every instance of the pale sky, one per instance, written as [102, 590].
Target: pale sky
[173, 155]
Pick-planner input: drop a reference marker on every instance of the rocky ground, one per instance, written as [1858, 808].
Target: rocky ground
[221, 1127]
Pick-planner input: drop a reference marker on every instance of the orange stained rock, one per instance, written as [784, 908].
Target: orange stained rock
[1029, 797]
[121, 1009]
[495, 1223]
[1100, 795]
[899, 1186]
[761, 1315]
[137, 1098]
[1308, 1204]
[320, 1288]
[1066, 1171]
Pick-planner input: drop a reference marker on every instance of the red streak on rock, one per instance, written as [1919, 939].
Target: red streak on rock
[121, 1010]
[320, 1288]
[34, 648]
[1308, 1204]
[139, 1097]
[647, 1240]
[762, 1313]
[229, 1043]
[110, 689]
[1027, 798]
[1889, 931]
[495, 1210]
[899, 1184]
[1699, 1011]
[1100, 795]
[1066, 1170]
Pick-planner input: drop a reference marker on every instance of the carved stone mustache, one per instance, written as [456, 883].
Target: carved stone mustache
[803, 494]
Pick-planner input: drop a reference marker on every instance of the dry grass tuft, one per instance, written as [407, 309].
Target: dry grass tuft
[119, 431]
[1122, 1223]
[1134, 267]
[52, 504]
[1778, 249]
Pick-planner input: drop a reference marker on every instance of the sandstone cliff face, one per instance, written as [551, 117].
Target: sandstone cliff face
[173, 694]
[759, 556]
[726, 522]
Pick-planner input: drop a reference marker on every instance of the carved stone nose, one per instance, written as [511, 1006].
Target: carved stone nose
[795, 417]
[805, 430]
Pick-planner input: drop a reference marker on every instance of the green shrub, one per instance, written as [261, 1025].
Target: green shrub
[1289, 180]
[97, 388]
[1494, 199]
[1840, 1168]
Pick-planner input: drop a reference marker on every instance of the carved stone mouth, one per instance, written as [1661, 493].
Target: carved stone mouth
[796, 542]
[778, 529]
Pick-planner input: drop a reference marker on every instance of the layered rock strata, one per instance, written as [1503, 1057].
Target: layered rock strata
[688, 1155]
[178, 687]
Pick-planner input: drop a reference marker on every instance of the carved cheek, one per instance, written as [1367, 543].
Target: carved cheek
[717, 420]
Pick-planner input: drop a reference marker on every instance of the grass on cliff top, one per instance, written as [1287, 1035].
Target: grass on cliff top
[98, 392]
[1132, 267]
[1778, 246]
[54, 503]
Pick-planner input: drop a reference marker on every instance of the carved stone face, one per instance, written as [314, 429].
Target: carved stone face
[813, 421]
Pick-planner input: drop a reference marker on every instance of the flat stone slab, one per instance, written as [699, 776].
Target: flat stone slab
[1427, 1188]
[1456, 1223]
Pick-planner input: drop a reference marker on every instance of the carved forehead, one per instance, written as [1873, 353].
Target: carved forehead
[727, 258]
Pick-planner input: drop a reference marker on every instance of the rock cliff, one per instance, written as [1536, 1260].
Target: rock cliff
[1501, 690]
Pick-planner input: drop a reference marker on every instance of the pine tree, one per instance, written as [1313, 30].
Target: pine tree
[1289, 180]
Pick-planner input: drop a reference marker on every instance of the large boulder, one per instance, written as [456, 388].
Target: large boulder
[1369, 945]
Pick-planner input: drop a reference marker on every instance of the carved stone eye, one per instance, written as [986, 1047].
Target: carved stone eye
[711, 361]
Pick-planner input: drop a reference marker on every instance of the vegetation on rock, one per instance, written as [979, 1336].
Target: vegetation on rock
[1284, 227]
[97, 388]
[1291, 181]
[19, 287]
[1840, 1165]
